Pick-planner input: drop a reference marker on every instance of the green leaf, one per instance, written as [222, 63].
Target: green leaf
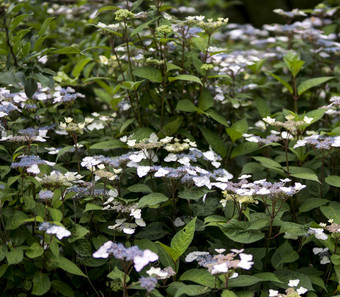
[217, 117]
[191, 290]
[199, 276]
[171, 127]
[237, 129]
[285, 275]
[164, 256]
[35, 250]
[193, 193]
[243, 281]
[310, 83]
[307, 176]
[284, 254]
[69, 266]
[139, 188]
[15, 255]
[293, 62]
[332, 211]
[268, 163]
[31, 87]
[149, 73]
[131, 85]
[80, 66]
[262, 107]
[152, 200]
[206, 100]
[243, 149]
[186, 105]
[227, 293]
[41, 284]
[3, 269]
[107, 145]
[215, 141]
[170, 66]
[240, 231]
[56, 214]
[17, 21]
[186, 77]
[64, 150]
[182, 239]
[126, 124]
[45, 25]
[312, 203]
[106, 8]
[66, 51]
[333, 180]
[282, 81]
[141, 27]
[92, 206]
[117, 274]
[267, 276]
[62, 288]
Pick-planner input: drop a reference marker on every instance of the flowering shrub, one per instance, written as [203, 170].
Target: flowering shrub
[149, 151]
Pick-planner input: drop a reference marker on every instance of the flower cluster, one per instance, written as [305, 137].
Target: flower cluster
[56, 230]
[134, 254]
[319, 142]
[31, 163]
[221, 263]
[292, 291]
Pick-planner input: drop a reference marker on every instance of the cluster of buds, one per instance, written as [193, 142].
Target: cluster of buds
[123, 15]
[72, 128]
[292, 125]
[210, 26]
[57, 179]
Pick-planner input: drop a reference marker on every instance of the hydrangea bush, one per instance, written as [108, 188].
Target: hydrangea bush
[147, 150]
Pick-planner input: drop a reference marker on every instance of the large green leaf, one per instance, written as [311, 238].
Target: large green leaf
[310, 83]
[307, 176]
[62, 288]
[41, 284]
[240, 231]
[141, 27]
[182, 239]
[186, 105]
[199, 276]
[35, 250]
[237, 129]
[312, 203]
[333, 180]
[332, 211]
[69, 266]
[152, 199]
[15, 255]
[215, 141]
[186, 77]
[284, 254]
[269, 163]
[149, 73]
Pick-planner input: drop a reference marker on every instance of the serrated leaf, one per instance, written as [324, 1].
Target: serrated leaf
[268, 163]
[310, 83]
[186, 77]
[41, 284]
[15, 255]
[182, 239]
[149, 73]
[152, 200]
[243, 149]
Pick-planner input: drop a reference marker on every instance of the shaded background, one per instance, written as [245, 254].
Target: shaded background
[256, 12]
